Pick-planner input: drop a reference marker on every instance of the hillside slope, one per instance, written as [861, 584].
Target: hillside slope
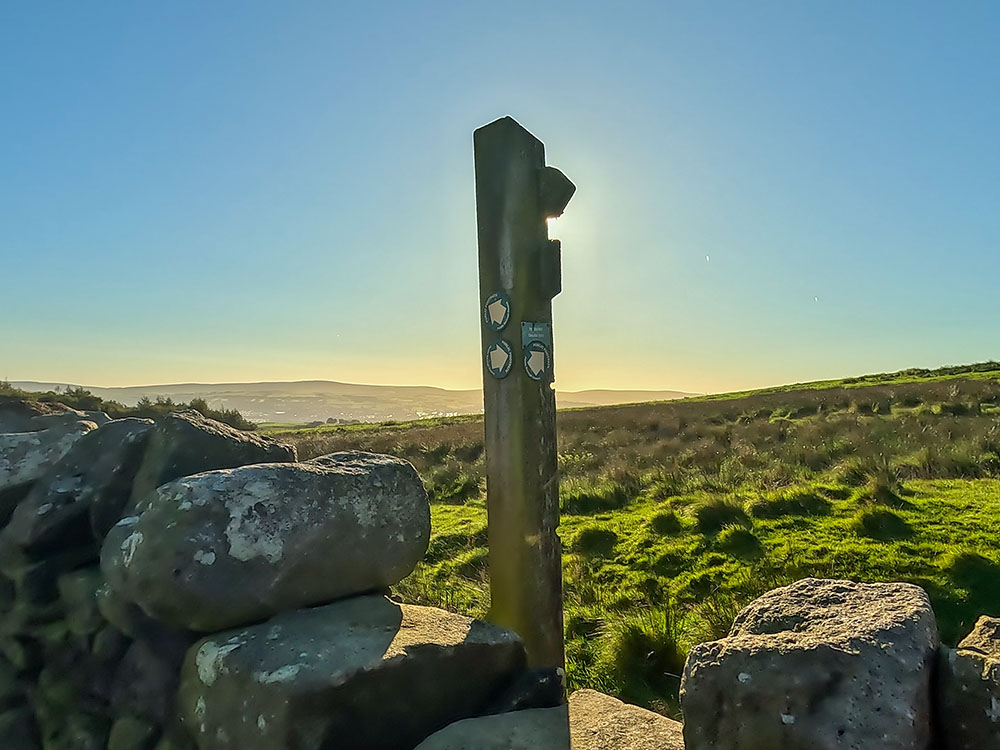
[676, 514]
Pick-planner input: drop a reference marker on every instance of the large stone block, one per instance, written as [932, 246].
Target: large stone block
[235, 546]
[361, 673]
[184, 443]
[969, 689]
[17, 415]
[18, 730]
[818, 664]
[25, 457]
[591, 721]
[95, 476]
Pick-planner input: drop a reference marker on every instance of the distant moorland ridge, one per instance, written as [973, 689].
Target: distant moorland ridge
[320, 400]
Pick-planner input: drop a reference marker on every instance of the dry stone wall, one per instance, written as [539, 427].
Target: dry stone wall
[180, 584]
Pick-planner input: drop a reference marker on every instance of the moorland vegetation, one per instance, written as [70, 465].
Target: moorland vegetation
[676, 514]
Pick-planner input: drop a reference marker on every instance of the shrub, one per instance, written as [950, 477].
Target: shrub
[881, 524]
[957, 408]
[714, 514]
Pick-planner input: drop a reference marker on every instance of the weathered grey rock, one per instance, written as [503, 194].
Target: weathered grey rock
[969, 689]
[93, 478]
[145, 683]
[132, 733]
[78, 594]
[361, 673]
[591, 721]
[77, 731]
[818, 664]
[35, 581]
[185, 443]
[535, 688]
[25, 457]
[12, 687]
[235, 546]
[176, 741]
[109, 645]
[17, 415]
[18, 730]
[127, 617]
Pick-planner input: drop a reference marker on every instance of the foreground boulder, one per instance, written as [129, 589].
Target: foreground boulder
[362, 673]
[18, 415]
[592, 721]
[93, 478]
[25, 457]
[231, 547]
[186, 443]
[818, 664]
[969, 689]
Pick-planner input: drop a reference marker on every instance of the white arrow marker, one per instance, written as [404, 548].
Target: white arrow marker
[497, 312]
[536, 362]
[498, 359]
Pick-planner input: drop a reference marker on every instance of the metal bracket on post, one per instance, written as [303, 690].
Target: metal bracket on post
[519, 274]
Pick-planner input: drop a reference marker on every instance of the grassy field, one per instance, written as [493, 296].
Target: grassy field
[675, 514]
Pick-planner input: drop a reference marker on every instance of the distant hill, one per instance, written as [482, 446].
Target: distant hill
[320, 400]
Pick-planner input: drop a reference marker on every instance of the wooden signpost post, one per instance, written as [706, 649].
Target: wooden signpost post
[519, 274]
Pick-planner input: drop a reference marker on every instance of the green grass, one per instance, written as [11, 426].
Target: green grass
[676, 514]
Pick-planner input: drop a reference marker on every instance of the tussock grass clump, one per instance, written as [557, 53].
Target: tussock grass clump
[973, 571]
[881, 524]
[598, 498]
[957, 408]
[641, 655]
[473, 565]
[665, 523]
[798, 502]
[595, 541]
[740, 542]
[670, 563]
[447, 546]
[716, 513]
[456, 489]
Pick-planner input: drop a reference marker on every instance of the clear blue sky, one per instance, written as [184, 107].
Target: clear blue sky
[768, 192]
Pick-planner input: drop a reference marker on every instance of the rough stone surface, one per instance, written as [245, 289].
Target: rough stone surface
[362, 673]
[969, 689]
[25, 457]
[18, 730]
[184, 443]
[127, 617]
[818, 664]
[536, 688]
[235, 546]
[95, 475]
[592, 721]
[17, 415]
[132, 733]
[145, 682]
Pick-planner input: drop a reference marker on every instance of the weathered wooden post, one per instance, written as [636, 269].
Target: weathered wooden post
[519, 274]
